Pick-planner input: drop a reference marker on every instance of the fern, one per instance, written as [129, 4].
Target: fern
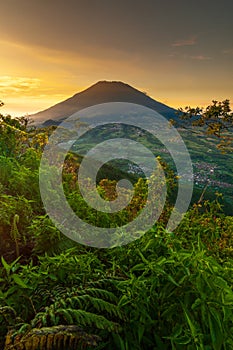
[83, 310]
[98, 304]
[84, 318]
[49, 338]
[100, 293]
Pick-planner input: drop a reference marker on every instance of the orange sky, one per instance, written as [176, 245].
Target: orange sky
[49, 53]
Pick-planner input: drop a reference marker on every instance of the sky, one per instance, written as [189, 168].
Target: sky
[179, 52]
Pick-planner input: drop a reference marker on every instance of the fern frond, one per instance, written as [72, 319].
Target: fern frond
[84, 318]
[48, 338]
[100, 305]
[101, 293]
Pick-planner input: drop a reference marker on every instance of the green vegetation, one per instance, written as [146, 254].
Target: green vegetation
[217, 120]
[162, 291]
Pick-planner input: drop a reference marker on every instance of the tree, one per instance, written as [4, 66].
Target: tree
[17, 135]
[216, 119]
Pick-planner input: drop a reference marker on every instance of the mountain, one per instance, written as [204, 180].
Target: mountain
[101, 92]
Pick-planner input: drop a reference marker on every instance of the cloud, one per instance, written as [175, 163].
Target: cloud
[188, 42]
[228, 52]
[185, 56]
[201, 58]
[10, 84]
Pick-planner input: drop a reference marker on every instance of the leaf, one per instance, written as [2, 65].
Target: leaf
[222, 284]
[140, 331]
[190, 322]
[171, 279]
[5, 265]
[196, 303]
[138, 267]
[53, 277]
[124, 300]
[177, 331]
[215, 329]
[20, 282]
[183, 340]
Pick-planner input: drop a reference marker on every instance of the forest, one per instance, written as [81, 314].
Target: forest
[165, 290]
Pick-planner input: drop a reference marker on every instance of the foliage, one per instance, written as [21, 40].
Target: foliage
[163, 291]
[217, 119]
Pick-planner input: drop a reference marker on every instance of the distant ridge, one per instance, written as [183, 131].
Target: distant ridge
[101, 92]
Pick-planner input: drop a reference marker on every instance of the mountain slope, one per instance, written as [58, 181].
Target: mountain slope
[101, 92]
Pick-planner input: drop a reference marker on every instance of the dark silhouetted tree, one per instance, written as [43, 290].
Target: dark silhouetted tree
[216, 120]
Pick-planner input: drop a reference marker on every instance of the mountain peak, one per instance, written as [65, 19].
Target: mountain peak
[101, 92]
[109, 85]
